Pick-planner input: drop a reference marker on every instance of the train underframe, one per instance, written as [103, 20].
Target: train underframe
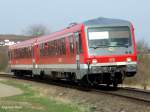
[108, 75]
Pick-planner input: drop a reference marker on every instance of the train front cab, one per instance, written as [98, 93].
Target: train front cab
[111, 54]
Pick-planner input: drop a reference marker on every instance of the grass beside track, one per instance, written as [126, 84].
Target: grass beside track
[32, 101]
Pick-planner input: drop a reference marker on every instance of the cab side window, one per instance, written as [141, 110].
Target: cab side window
[78, 42]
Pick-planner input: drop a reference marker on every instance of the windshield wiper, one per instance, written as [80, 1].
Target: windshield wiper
[121, 45]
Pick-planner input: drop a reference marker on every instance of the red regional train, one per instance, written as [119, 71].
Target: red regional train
[97, 51]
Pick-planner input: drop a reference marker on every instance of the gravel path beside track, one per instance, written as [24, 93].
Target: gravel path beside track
[6, 90]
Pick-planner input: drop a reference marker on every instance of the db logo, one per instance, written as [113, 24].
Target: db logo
[111, 49]
[112, 60]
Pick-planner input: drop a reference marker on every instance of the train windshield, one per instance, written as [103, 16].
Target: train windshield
[109, 37]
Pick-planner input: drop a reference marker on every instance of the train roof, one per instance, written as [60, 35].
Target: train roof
[45, 38]
[93, 22]
[60, 33]
[23, 43]
[101, 21]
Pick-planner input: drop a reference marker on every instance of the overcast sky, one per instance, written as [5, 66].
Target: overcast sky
[17, 15]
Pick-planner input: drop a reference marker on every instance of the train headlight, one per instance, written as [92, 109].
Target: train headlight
[94, 61]
[129, 60]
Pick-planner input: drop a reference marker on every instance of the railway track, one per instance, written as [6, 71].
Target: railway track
[128, 93]
[3, 74]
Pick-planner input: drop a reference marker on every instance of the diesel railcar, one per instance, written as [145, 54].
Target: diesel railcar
[97, 51]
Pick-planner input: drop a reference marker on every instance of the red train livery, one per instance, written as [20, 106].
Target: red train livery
[97, 51]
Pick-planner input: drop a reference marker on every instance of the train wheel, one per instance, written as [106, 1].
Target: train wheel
[84, 86]
[115, 84]
[108, 85]
[42, 74]
[18, 74]
[85, 83]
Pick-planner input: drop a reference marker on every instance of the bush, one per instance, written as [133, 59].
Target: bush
[143, 74]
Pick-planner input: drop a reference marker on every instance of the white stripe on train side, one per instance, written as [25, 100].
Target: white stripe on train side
[70, 66]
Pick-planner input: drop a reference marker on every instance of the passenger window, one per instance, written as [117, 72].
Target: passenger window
[80, 43]
[63, 47]
[41, 49]
[45, 49]
[71, 41]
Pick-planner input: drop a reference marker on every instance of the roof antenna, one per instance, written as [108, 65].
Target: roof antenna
[72, 24]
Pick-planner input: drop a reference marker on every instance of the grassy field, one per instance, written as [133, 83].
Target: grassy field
[32, 101]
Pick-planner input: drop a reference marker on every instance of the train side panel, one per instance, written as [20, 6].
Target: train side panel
[65, 59]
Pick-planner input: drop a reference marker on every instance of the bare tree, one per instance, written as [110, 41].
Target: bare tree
[142, 46]
[37, 30]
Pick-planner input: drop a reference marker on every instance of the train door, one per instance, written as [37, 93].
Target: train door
[35, 59]
[35, 56]
[77, 36]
